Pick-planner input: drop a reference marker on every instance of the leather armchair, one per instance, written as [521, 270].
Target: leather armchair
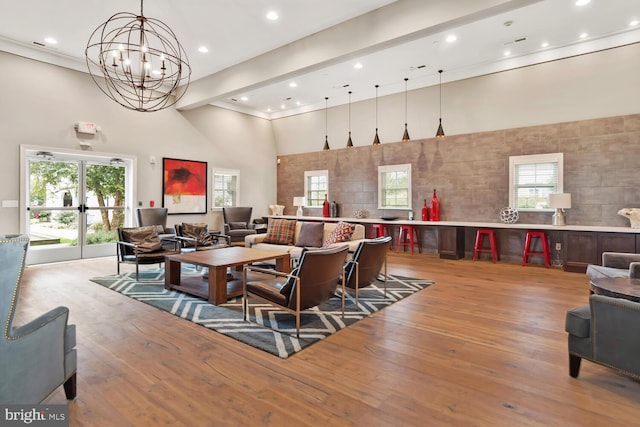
[197, 237]
[367, 262]
[311, 283]
[616, 264]
[237, 223]
[607, 332]
[142, 245]
[39, 356]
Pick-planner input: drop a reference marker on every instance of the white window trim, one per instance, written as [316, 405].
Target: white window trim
[307, 174]
[535, 158]
[392, 168]
[221, 171]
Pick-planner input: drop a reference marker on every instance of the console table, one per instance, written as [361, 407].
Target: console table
[580, 245]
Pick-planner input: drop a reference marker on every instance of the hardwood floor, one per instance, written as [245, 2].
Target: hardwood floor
[484, 346]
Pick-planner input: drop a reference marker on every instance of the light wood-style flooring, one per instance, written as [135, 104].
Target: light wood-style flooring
[484, 346]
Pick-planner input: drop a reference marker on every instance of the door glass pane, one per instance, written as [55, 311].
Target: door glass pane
[105, 200]
[49, 227]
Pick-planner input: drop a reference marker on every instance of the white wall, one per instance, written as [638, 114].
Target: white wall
[39, 103]
[602, 84]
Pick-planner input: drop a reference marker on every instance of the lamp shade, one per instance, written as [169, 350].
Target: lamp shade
[298, 201]
[560, 200]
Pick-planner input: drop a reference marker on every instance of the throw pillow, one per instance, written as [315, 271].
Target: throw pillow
[197, 231]
[310, 234]
[342, 233]
[280, 231]
[238, 225]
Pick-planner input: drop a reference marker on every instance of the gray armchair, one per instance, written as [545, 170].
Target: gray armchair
[607, 332]
[39, 356]
[616, 264]
[156, 217]
[237, 223]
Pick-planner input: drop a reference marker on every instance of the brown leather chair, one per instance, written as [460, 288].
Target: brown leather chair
[141, 245]
[196, 237]
[367, 261]
[311, 283]
[237, 223]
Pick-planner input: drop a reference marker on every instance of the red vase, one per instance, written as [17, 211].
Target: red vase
[325, 207]
[425, 211]
[435, 207]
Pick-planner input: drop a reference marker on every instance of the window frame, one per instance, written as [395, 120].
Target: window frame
[307, 190]
[225, 172]
[515, 161]
[405, 167]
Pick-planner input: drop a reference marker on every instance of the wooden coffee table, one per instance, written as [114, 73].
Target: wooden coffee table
[218, 289]
[617, 287]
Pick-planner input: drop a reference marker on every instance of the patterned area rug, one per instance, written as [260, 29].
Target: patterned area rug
[315, 324]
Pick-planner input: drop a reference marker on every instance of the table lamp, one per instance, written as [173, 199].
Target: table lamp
[559, 201]
[299, 202]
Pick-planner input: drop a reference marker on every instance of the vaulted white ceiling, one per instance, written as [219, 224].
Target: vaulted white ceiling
[253, 61]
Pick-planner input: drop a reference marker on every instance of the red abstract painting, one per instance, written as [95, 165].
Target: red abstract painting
[184, 186]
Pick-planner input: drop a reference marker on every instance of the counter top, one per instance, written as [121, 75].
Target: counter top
[469, 224]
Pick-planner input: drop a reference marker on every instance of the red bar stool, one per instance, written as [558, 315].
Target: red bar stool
[492, 243]
[528, 252]
[379, 230]
[407, 232]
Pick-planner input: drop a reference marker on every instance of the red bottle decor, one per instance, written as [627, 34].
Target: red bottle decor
[425, 211]
[435, 207]
[325, 207]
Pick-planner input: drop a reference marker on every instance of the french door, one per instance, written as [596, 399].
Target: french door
[74, 203]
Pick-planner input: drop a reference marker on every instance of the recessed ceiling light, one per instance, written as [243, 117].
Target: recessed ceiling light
[545, 44]
[507, 52]
[282, 106]
[272, 16]
[203, 49]
[269, 110]
[584, 35]
[50, 40]
[357, 65]
[634, 23]
[582, 2]
[298, 103]
[451, 38]
[244, 98]
[293, 84]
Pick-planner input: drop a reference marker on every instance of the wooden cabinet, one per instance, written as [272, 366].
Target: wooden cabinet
[584, 248]
[451, 242]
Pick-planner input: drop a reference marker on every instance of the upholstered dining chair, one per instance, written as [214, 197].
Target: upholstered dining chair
[311, 283]
[367, 262]
[39, 356]
[142, 245]
[237, 223]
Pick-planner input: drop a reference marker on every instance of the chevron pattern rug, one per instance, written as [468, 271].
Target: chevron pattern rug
[315, 324]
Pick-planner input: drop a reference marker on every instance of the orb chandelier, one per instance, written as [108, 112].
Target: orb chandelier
[138, 62]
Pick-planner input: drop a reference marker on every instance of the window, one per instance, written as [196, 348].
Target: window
[226, 187]
[394, 186]
[532, 178]
[316, 185]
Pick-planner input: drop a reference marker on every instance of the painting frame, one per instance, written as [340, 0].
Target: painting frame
[184, 186]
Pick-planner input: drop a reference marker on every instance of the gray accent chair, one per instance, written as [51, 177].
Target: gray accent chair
[607, 332]
[156, 217]
[616, 264]
[237, 223]
[368, 260]
[38, 357]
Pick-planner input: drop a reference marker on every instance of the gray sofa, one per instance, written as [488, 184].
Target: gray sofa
[616, 264]
[607, 332]
[257, 240]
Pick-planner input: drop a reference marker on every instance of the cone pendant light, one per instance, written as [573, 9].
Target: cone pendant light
[405, 136]
[376, 140]
[349, 142]
[326, 133]
[440, 132]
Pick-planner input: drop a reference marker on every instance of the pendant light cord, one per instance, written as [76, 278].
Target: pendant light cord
[405, 100]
